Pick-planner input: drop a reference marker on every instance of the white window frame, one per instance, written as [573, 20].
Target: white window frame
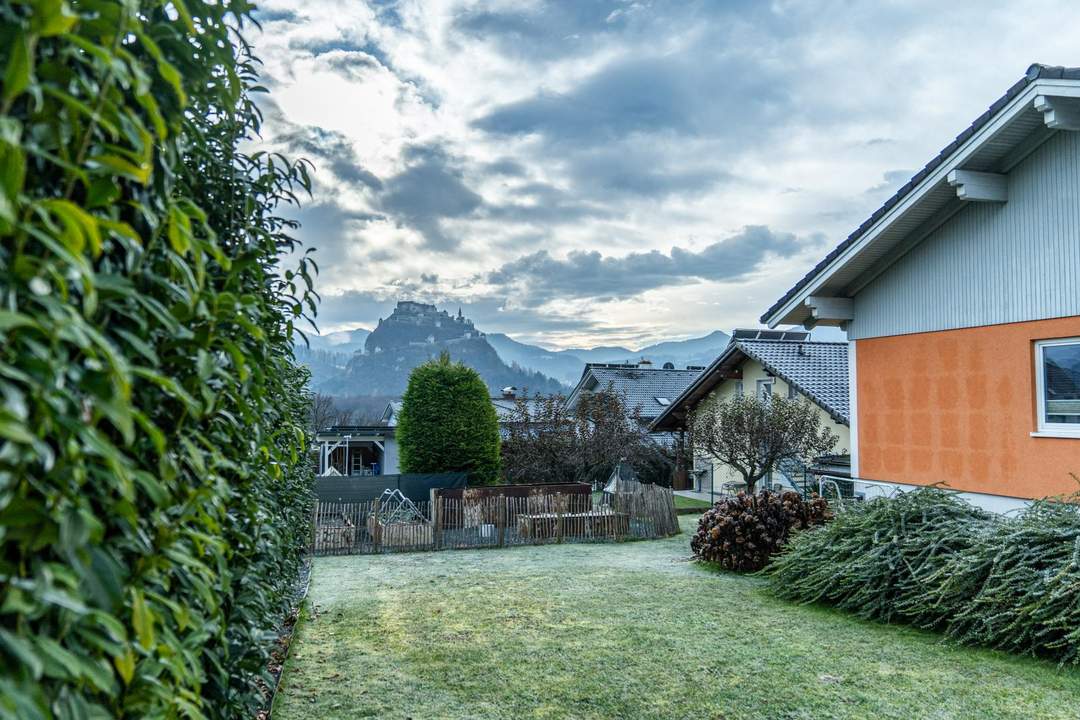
[770, 383]
[1045, 429]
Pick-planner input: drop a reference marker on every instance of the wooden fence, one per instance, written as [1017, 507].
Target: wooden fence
[640, 512]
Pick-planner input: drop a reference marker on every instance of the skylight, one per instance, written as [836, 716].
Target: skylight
[663, 401]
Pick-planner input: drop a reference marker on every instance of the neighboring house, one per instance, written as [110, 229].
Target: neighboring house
[357, 450]
[961, 302]
[766, 363]
[648, 390]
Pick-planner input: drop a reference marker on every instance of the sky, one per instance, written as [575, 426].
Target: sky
[606, 172]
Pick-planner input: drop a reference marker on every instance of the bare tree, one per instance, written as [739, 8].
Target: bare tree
[326, 413]
[546, 441]
[755, 435]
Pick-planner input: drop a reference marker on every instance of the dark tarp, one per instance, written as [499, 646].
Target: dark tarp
[415, 486]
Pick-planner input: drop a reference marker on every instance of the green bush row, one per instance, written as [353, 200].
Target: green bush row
[153, 483]
[932, 560]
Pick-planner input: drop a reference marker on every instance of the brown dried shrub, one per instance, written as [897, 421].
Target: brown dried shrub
[741, 533]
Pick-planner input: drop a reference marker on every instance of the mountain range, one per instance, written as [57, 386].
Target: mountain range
[566, 365]
[377, 362]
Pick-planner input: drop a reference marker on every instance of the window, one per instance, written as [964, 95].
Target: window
[792, 393]
[739, 388]
[1057, 386]
[663, 401]
[765, 389]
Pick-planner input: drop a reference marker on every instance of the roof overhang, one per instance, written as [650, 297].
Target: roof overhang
[354, 434]
[725, 367]
[972, 169]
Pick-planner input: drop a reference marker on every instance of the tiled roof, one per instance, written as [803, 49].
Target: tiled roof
[506, 407]
[1035, 72]
[818, 370]
[640, 385]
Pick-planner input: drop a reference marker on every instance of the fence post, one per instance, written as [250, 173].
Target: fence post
[500, 518]
[559, 515]
[437, 518]
[376, 527]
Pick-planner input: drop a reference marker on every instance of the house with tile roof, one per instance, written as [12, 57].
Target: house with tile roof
[648, 389]
[766, 363]
[960, 298]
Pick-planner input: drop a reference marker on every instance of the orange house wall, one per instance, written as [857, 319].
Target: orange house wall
[959, 406]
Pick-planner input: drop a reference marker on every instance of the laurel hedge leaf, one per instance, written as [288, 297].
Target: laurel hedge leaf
[154, 478]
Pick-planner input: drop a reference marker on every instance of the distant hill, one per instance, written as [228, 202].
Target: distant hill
[378, 363]
[561, 365]
[368, 363]
[567, 365]
[346, 341]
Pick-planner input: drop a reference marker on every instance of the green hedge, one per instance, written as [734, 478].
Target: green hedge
[930, 559]
[448, 423]
[153, 484]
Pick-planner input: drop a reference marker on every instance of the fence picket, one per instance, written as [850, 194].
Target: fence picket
[634, 511]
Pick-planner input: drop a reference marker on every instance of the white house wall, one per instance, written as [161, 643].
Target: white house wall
[990, 263]
[390, 457]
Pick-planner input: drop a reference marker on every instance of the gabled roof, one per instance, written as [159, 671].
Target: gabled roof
[644, 387]
[1013, 126]
[818, 370]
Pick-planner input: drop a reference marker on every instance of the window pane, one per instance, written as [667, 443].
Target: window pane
[1062, 367]
[764, 389]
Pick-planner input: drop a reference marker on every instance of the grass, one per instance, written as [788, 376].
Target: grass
[689, 503]
[631, 630]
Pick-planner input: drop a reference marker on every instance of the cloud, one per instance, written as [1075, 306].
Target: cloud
[330, 149]
[634, 96]
[693, 92]
[564, 165]
[429, 190]
[891, 180]
[505, 166]
[538, 277]
[266, 16]
[634, 168]
[544, 30]
[542, 203]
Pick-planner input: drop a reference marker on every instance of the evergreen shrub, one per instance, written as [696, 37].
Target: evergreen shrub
[448, 423]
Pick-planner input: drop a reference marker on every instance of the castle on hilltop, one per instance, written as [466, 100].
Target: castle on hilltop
[417, 324]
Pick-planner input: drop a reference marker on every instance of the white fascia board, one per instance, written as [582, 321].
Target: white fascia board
[1020, 103]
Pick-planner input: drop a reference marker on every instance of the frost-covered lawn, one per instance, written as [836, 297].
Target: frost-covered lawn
[622, 631]
[684, 503]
